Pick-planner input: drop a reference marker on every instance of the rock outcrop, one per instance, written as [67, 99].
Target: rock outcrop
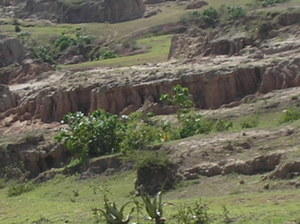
[286, 170]
[24, 72]
[155, 177]
[84, 11]
[11, 51]
[210, 89]
[7, 98]
[29, 156]
[196, 4]
[257, 165]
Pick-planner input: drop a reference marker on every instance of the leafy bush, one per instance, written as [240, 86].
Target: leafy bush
[94, 135]
[250, 122]
[193, 123]
[50, 53]
[106, 54]
[235, 12]
[180, 97]
[44, 53]
[139, 135]
[18, 189]
[64, 41]
[223, 125]
[195, 214]
[192, 17]
[209, 17]
[291, 114]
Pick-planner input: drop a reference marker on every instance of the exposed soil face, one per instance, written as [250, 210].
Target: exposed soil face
[214, 82]
[28, 154]
[83, 12]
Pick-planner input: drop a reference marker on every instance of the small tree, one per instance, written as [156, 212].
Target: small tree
[94, 135]
[180, 97]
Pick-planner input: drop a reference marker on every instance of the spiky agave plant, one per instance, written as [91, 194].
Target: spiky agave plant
[154, 207]
[112, 214]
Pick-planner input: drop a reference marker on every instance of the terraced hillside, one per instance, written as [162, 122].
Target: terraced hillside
[197, 100]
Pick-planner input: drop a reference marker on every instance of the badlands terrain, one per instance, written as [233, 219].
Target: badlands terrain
[205, 96]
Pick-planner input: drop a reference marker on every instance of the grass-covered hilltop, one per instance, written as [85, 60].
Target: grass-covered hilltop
[150, 111]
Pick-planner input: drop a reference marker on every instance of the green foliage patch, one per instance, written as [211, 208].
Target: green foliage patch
[18, 189]
[94, 135]
[209, 17]
[291, 114]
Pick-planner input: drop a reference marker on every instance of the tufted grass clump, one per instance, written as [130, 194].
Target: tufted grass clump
[18, 189]
[291, 114]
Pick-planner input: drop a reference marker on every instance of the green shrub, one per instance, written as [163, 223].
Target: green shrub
[192, 17]
[65, 41]
[94, 135]
[180, 97]
[195, 214]
[106, 54]
[139, 135]
[18, 189]
[223, 125]
[291, 114]
[44, 53]
[250, 122]
[235, 12]
[209, 17]
[193, 123]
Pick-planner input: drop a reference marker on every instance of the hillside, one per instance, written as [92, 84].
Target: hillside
[117, 101]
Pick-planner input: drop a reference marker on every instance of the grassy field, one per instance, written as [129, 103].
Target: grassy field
[70, 200]
[43, 31]
[158, 51]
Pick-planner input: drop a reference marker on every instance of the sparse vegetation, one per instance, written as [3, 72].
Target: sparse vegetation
[154, 208]
[180, 97]
[235, 12]
[266, 3]
[250, 122]
[291, 114]
[209, 17]
[18, 189]
[111, 214]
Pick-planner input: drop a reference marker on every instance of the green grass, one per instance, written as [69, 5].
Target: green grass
[56, 201]
[44, 32]
[158, 50]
